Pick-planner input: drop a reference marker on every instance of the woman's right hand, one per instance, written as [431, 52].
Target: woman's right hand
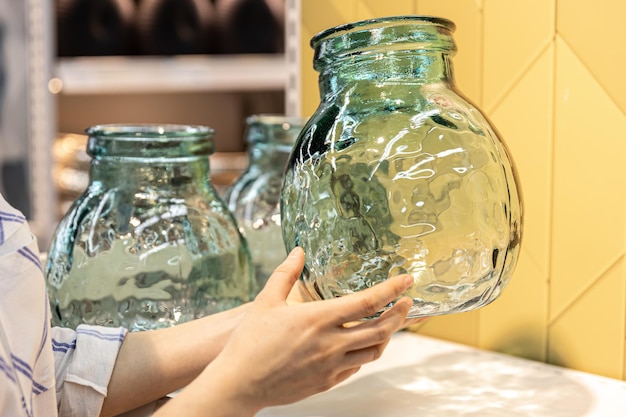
[281, 353]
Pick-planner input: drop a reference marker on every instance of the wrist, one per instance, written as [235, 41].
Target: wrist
[220, 389]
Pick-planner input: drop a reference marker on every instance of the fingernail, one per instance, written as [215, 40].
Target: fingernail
[294, 252]
[408, 281]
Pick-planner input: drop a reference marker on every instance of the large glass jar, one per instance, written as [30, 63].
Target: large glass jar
[149, 244]
[396, 172]
[254, 197]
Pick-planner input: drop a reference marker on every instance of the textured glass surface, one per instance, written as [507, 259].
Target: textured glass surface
[397, 173]
[255, 197]
[148, 244]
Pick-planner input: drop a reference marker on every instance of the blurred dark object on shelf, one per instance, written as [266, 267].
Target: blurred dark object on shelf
[250, 26]
[94, 27]
[15, 186]
[170, 27]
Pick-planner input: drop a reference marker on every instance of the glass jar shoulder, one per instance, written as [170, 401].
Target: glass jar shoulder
[439, 112]
[99, 217]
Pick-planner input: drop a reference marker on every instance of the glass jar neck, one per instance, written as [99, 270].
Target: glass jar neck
[396, 50]
[268, 157]
[149, 155]
[388, 70]
[167, 174]
[271, 139]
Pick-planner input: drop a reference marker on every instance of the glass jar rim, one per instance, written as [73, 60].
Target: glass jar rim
[270, 119]
[401, 36]
[274, 129]
[382, 22]
[143, 141]
[150, 131]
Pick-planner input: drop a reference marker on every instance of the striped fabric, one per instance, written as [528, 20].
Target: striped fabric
[44, 371]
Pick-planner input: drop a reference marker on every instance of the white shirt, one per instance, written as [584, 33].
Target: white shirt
[44, 371]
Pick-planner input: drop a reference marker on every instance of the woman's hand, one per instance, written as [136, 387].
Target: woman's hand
[299, 294]
[282, 353]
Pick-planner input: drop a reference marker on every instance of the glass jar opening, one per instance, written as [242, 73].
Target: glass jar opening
[274, 128]
[386, 34]
[147, 130]
[149, 140]
[276, 120]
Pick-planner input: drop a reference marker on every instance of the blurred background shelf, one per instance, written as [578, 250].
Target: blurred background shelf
[124, 75]
[78, 63]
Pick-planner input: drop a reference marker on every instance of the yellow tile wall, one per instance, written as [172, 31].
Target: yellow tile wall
[550, 74]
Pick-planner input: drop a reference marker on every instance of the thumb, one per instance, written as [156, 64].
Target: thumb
[284, 277]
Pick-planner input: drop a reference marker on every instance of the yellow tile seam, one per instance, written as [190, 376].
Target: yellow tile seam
[481, 61]
[583, 291]
[608, 93]
[491, 108]
[481, 82]
[548, 310]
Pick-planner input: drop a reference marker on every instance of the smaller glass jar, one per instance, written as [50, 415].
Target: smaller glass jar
[254, 197]
[149, 244]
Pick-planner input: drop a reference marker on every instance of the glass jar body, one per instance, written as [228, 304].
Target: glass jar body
[148, 244]
[397, 173]
[254, 198]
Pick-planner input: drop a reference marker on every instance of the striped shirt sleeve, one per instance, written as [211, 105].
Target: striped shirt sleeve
[84, 361]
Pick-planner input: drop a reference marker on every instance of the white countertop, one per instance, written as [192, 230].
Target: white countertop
[421, 376]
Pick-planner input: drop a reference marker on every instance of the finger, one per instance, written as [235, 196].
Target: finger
[378, 331]
[345, 374]
[401, 308]
[413, 321]
[369, 353]
[284, 276]
[363, 356]
[338, 375]
[368, 302]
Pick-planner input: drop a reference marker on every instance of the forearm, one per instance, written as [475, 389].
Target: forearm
[221, 396]
[155, 363]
